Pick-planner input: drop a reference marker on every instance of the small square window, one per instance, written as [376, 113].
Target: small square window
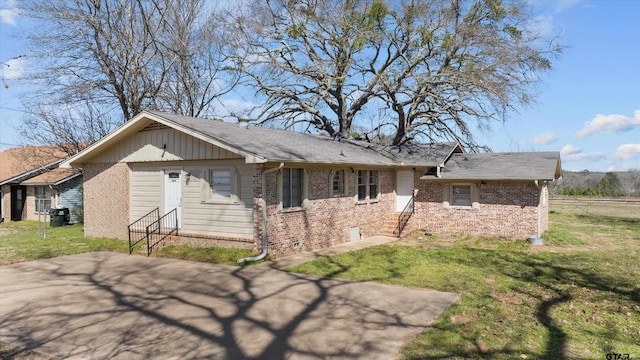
[220, 181]
[461, 195]
[42, 198]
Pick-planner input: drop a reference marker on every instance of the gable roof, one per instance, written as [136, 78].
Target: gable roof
[502, 166]
[21, 163]
[260, 145]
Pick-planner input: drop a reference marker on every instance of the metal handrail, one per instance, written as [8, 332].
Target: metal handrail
[137, 229]
[405, 215]
[162, 228]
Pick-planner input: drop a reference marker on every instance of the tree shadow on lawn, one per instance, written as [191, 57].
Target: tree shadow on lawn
[552, 281]
[144, 308]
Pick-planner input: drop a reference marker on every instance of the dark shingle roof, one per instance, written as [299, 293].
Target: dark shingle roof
[502, 166]
[281, 145]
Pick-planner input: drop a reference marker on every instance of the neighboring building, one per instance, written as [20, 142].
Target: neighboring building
[31, 183]
[232, 183]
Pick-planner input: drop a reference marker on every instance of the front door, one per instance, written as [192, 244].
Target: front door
[404, 188]
[18, 197]
[173, 193]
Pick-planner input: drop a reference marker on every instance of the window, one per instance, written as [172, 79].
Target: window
[461, 195]
[219, 185]
[291, 188]
[367, 185]
[43, 198]
[373, 184]
[337, 183]
[220, 181]
[362, 185]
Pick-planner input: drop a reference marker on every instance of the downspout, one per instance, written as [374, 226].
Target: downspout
[539, 204]
[265, 242]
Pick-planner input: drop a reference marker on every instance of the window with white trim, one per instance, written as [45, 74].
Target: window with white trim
[337, 183]
[461, 195]
[362, 185]
[373, 184]
[367, 185]
[43, 198]
[292, 188]
[222, 185]
[220, 182]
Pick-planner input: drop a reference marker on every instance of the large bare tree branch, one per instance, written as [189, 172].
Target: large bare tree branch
[441, 67]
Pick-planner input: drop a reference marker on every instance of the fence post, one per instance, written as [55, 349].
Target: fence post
[148, 250]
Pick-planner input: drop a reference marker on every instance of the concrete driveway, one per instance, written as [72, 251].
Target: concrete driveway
[115, 306]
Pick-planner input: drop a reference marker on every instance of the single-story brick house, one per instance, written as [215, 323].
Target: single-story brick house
[265, 188]
[31, 183]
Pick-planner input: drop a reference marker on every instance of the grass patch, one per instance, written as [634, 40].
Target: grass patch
[518, 301]
[213, 255]
[19, 241]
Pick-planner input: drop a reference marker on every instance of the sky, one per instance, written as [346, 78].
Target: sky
[587, 107]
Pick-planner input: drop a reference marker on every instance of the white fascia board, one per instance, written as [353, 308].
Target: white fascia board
[120, 132]
[140, 121]
[249, 157]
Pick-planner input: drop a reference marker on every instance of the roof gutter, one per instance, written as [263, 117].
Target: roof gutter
[263, 205]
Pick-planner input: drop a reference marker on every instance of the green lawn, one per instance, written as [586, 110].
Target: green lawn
[578, 297]
[19, 241]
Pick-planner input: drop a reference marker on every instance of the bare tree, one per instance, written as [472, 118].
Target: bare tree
[130, 55]
[430, 68]
[67, 130]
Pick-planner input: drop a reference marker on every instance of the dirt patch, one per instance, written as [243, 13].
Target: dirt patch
[429, 241]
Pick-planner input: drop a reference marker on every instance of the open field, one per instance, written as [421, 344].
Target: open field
[577, 297]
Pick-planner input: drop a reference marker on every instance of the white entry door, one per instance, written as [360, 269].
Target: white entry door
[173, 193]
[404, 188]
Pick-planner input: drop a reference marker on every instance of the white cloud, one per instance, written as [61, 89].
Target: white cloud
[627, 152]
[13, 69]
[570, 149]
[544, 138]
[584, 156]
[609, 124]
[9, 12]
[573, 153]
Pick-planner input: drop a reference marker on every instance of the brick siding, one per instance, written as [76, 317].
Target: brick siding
[326, 221]
[506, 209]
[106, 200]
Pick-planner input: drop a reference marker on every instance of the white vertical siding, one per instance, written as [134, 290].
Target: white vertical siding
[147, 146]
[199, 215]
[202, 216]
[146, 190]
